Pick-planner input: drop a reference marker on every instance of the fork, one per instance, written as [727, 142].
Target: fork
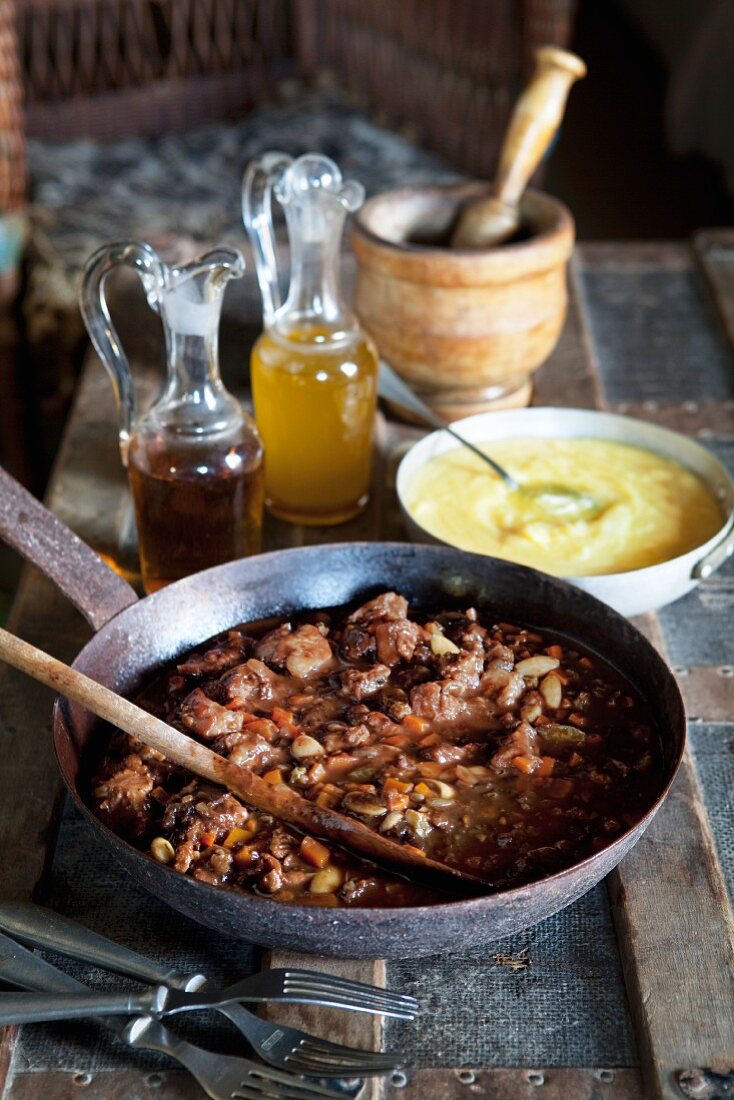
[39, 927]
[280, 1046]
[222, 1077]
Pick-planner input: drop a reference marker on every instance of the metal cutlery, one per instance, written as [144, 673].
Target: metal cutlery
[39, 927]
[280, 1046]
[221, 1077]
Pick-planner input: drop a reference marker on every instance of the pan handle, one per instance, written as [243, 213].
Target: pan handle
[42, 539]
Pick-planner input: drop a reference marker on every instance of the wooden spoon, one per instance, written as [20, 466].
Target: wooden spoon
[490, 221]
[280, 800]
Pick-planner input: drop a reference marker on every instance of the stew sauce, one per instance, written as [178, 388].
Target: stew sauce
[501, 751]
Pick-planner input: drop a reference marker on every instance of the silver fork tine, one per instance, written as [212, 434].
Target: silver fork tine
[317, 1067]
[347, 1054]
[337, 998]
[306, 976]
[266, 1082]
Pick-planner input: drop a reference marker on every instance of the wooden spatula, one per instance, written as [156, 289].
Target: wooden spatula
[489, 221]
[280, 801]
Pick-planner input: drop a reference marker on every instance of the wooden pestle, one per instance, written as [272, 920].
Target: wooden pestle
[490, 221]
[279, 800]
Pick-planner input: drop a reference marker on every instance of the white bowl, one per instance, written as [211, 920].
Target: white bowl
[636, 590]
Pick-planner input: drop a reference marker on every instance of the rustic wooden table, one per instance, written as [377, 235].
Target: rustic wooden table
[549, 1013]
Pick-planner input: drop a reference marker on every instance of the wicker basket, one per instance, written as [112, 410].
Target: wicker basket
[12, 147]
[447, 71]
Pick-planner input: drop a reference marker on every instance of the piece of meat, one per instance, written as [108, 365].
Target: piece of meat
[319, 712]
[249, 750]
[453, 753]
[396, 640]
[304, 652]
[386, 607]
[253, 682]
[208, 719]
[512, 692]
[437, 700]
[225, 654]
[199, 809]
[124, 797]
[496, 676]
[271, 646]
[522, 741]
[272, 879]
[464, 669]
[357, 644]
[358, 683]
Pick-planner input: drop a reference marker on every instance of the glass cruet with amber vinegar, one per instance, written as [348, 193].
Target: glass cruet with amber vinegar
[313, 370]
[195, 459]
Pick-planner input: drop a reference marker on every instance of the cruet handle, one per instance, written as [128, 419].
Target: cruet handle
[261, 177]
[102, 333]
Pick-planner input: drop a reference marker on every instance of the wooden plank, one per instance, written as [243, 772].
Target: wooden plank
[676, 937]
[567, 377]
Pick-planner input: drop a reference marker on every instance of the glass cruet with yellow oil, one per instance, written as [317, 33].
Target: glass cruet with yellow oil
[194, 459]
[314, 371]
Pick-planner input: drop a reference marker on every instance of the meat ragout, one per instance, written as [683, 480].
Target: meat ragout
[504, 752]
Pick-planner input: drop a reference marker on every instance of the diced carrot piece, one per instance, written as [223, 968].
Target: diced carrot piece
[422, 788]
[282, 717]
[242, 858]
[328, 796]
[339, 765]
[547, 764]
[396, 785]
[525, 764]
[555, 651]
[431, 739]
[394, 800]
[562, 787]
[401, 740]
[315, 853]
[543, 719]
[574, 759]
[577, 719]
[207, 839]
[273, 777]
[235, 837]
[415, 724]
[430, 769]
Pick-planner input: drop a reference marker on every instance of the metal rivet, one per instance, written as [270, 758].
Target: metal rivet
[466, 1076]
[154, 1080]
[651, 406]
[398, 1079]
[690, 406]
[726, 670]
[606, 1075]
[536, 1078]
[82, 1079]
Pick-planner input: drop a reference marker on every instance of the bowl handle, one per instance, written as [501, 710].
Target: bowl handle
[716, 557]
